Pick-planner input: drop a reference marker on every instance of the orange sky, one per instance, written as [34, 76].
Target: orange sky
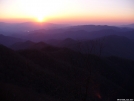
[68, 11]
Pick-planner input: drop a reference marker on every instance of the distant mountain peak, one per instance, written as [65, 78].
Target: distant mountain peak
[129, 25]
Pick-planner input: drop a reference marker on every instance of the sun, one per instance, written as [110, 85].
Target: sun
[40, 19]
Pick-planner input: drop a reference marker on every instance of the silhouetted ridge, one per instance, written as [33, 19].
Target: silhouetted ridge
[22, 45]
[111, 45]
[130, 26]
[29, 45]
[7, 40]
[93, 27]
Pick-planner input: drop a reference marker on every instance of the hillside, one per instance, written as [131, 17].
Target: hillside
[8, 40]
[112, 45]
[28, 45]
[57, 74]
[26, 76]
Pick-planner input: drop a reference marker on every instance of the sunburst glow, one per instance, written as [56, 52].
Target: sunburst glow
[69, 10]
[40, 19]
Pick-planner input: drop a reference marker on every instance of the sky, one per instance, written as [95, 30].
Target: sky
[68, 11]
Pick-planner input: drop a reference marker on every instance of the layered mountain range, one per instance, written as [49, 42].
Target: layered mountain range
[74, 63]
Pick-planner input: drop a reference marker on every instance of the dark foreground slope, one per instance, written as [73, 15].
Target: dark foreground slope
[60, 74]
[21, 78]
